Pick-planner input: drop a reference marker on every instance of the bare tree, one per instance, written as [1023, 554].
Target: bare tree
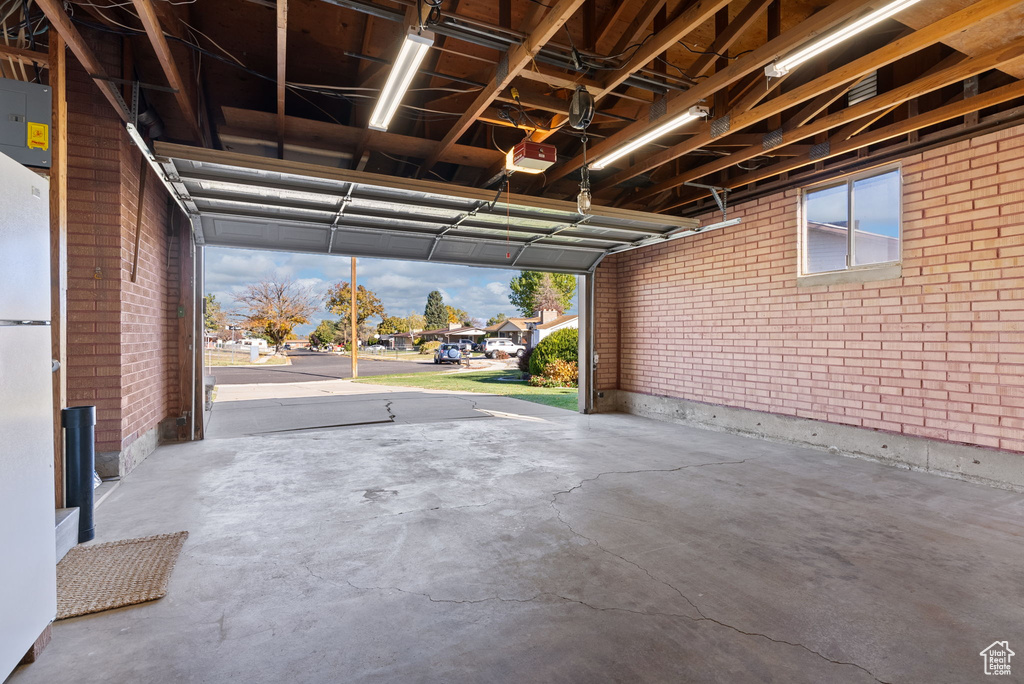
[547, 295]
[274, 306]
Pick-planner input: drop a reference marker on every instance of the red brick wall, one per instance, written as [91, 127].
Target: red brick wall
[938, 353]
[122, 336]
[94, 250]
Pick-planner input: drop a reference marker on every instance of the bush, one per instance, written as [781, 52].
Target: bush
[558, 373]
[502, 355]
[429, 347]
[524, 361]
[561, 344]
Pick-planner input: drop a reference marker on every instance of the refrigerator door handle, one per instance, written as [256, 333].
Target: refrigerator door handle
[7, 321]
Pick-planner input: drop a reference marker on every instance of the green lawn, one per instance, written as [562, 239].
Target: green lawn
[482, 381]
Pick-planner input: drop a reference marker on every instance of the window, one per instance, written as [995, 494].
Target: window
[870, 203]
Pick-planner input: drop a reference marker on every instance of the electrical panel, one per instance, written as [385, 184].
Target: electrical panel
[25, 128]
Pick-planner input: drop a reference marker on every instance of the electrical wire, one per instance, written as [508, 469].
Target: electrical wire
[712, 52]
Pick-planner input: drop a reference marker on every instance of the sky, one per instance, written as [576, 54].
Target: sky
[876, 204]
[401, 285]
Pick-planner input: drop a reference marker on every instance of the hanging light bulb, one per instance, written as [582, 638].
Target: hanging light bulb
[583, 200]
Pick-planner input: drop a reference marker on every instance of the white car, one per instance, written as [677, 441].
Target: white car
[493, 345]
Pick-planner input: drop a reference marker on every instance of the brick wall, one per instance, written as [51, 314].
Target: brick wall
[938, 353]
[122, 335]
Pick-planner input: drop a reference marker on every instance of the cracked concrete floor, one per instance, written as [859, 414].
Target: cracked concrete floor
[531, 544]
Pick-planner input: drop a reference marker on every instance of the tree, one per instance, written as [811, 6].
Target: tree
[435, 313]
[339, 299]
[525, 288]
[214, 317]
[390, 325]
[495, 320]
[274, 306]
[323, 335]
[416, 321]
[546, 296]
[455, 315]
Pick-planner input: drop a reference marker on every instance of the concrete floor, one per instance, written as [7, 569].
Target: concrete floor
[485, 539]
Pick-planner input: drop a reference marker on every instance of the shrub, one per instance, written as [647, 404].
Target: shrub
[429, 347]
[566, 373]
[558, 373]
[524, 361]
[502, 355]
[561, 344]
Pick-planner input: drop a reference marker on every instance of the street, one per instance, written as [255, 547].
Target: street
[309, 366]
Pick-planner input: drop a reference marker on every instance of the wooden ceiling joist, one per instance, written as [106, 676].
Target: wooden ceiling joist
[513, 62]
[694, 15]
[676, 103]
[244, 122]
[59, 20]
[151, 22]
[884, 101]
[282, 60]
[899, 129]
[858, 68]
[26, 57]
[740, 23]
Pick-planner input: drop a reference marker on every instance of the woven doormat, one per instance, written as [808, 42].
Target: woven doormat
[91, 579]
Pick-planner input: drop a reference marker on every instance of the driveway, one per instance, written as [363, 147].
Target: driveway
[311, 366]
[464, 538]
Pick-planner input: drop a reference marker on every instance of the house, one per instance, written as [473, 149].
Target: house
[530, 331]
[453, 333]
[549, 324]
[400, 341]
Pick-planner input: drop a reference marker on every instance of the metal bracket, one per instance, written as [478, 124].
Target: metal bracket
[720, 127]
[721, 200]
[820, 151]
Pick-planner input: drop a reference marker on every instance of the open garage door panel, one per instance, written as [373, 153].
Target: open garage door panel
[238, 200]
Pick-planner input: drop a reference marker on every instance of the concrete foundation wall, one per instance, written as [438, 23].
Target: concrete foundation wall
[936, 350]
[987, 466]
[122, 334]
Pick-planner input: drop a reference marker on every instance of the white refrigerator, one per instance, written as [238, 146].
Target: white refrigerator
[28, 579]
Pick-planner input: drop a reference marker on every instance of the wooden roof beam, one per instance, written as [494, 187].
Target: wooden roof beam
[510, 65]
[899, 129]
[740, 23]
[676, 103]
[59, 20]
[344, 138]
[150, 21]
[694, 15]
[929, 35]
[883, 102]
[26, 57]
[282, 54]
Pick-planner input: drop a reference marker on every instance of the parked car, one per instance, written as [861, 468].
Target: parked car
[493, 345]
[465, 345]
[287, 346]
[448, 353]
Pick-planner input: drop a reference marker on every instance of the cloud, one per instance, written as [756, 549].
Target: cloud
[401, 285]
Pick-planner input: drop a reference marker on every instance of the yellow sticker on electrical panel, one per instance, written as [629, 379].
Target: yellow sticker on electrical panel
[38, 136]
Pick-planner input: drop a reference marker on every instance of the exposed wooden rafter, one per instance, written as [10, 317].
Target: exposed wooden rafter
[677, 103]
[282, 60]
[59, 20]
[514, 61]
[858, 68]
[151, 22]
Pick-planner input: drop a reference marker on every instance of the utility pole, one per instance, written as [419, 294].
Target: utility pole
[352, 318]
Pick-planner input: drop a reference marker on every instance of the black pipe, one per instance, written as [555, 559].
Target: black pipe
[80, 462]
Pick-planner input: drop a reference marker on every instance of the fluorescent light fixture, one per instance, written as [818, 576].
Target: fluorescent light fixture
[414, 49]
[653, 134]
[790, 62]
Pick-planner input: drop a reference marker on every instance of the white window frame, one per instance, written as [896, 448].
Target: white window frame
[866, 272]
